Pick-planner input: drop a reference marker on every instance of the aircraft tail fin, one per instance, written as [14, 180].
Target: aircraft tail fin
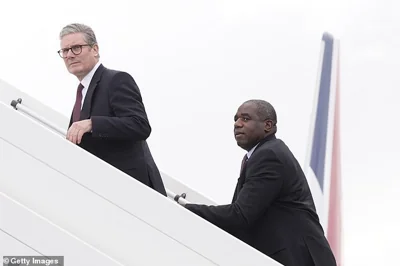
[322, 166]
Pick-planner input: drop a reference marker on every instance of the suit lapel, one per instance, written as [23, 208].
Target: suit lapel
[242, 176]
[240, 181]
[87, 104]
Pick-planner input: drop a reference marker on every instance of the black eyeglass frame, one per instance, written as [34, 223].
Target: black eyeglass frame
[77, 52]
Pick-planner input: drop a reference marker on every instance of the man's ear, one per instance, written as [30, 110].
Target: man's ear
[268, 125]
[96, 49]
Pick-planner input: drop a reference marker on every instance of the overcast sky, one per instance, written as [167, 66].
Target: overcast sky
[197, 61]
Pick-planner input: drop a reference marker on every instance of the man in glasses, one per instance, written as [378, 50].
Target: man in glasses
[109, 118]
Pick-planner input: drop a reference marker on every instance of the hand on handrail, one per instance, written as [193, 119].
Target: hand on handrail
[17, 104]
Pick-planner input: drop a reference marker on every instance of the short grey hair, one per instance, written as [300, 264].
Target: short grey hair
[87, 31]
[265, 110]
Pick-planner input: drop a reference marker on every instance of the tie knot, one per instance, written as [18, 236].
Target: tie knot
[80, 87]
[243, 162]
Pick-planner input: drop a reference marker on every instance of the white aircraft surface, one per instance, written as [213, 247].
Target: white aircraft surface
[93, 214]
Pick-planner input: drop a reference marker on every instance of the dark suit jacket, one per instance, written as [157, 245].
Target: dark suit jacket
[120, 126]
[273, 210]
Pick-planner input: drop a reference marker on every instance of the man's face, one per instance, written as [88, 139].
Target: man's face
[249, 129]
[84, 59]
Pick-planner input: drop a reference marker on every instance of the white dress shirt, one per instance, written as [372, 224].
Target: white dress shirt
[86, 81]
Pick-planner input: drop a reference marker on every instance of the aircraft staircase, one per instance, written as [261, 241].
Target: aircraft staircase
[56, 199]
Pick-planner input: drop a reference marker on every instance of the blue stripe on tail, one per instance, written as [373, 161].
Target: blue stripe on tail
[318, 151]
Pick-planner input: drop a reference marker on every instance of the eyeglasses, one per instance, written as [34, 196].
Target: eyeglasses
[76, 50]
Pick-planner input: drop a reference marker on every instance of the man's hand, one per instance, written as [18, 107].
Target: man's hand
[177, 197]
[77, 129]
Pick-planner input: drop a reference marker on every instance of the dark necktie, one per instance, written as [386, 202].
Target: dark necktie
[240, 179]
[244, 161]
[78, 102]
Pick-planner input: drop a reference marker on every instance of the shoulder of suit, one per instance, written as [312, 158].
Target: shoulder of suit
[111, 73]
[271, 145]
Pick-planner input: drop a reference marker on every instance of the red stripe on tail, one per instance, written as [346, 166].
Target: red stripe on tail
[334, 217]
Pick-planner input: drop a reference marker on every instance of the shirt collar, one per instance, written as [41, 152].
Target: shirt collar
[251, 151]
[88, 78]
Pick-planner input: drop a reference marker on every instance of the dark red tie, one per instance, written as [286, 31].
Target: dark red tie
[78, 102]
[240, 179]
[244, 161]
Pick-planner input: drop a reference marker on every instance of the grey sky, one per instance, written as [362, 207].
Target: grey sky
[197, 61]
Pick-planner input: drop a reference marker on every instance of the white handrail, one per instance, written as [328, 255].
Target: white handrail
[17, 104]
